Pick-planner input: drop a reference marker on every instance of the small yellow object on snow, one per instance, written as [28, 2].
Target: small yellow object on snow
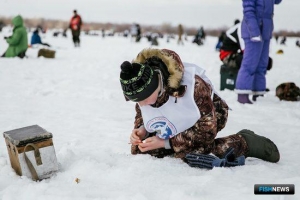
[280, 51]
[77, 180]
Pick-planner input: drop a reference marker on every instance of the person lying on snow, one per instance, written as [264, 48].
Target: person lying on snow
[179, 113]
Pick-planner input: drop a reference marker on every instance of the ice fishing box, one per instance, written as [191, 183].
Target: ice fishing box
[31, 152]
[47, 53]
[228, 77]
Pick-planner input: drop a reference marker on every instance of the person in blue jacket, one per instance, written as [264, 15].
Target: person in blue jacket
[257, 28]
[36, 39]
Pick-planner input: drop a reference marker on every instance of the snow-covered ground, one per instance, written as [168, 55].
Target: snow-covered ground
[77, 97]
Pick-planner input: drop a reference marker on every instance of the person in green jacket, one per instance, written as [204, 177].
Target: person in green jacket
[18, 42]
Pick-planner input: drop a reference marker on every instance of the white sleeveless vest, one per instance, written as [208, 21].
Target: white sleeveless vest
[173, 118]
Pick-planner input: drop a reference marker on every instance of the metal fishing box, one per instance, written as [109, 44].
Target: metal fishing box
[31, 152]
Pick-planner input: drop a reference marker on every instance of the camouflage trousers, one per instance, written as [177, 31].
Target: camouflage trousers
[218, 148]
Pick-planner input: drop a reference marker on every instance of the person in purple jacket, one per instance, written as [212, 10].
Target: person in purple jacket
[257, 28]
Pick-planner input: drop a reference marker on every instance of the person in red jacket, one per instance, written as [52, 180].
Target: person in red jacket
[75, 26]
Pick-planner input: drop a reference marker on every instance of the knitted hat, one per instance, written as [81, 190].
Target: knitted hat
[138, 81]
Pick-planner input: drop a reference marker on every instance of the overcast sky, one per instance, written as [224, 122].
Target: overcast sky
[209, 13]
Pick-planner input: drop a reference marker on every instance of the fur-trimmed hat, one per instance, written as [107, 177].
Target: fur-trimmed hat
[138, 81]
[165, 60]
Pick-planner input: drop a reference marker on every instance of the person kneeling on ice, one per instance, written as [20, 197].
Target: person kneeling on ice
[18, 41]
[179, 113]
[36, 39]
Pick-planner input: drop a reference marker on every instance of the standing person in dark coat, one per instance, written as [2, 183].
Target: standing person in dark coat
[257, 28]
[276, 38]
[75, 26]
[298, 43]
[138, 33]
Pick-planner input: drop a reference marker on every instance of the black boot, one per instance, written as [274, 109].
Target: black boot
[254, 97]
[260, 147]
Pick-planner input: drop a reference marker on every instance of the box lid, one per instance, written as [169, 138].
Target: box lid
[25, 135]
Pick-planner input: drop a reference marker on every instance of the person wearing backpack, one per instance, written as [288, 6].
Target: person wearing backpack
[178, 112]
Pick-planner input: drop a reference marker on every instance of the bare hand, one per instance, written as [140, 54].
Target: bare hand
[151, 143]
[137, 135]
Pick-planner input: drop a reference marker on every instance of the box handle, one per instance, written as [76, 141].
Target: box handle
[38, 160]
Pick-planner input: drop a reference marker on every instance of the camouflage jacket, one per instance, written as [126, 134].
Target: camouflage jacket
[214, 112]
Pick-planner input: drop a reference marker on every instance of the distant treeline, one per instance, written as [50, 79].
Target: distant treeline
[165, 28]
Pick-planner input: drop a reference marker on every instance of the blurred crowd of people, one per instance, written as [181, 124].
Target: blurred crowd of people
[231, 50]
[240, 47]
[18, 42]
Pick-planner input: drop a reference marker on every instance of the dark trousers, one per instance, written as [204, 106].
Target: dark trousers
[22, 55]
[76, 39]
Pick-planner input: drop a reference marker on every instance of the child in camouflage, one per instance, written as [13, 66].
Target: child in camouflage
[178, 112]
